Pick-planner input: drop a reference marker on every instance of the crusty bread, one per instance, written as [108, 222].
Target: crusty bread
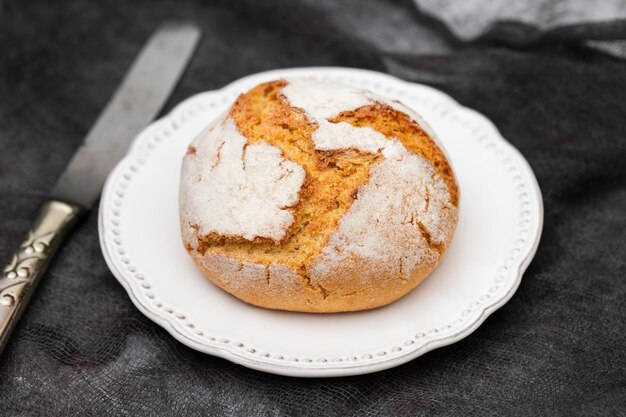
[318, 197]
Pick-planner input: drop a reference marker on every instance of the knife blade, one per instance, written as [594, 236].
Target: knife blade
[141, 95]
[138, 99]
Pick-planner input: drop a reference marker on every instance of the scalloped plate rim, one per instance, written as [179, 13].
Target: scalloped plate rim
[297, 370]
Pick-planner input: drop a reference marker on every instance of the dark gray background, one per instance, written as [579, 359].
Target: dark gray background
[557, 348]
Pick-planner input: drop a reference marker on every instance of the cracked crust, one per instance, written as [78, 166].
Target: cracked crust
[374, 215]
[261, 186]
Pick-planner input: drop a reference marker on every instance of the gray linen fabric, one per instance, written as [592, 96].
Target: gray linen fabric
[557, 348]
[472, 19]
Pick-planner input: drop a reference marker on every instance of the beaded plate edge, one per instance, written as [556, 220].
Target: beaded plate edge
[175, 322]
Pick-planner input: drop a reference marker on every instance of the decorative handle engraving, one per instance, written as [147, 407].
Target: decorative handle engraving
[21, 276]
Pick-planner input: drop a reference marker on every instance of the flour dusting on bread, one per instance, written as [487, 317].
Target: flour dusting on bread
[405, 210]
[317, 196]
[246, 190]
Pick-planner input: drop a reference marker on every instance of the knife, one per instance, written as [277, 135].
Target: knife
[139, 98]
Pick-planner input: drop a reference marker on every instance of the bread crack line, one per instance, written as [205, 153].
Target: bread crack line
[338, 175]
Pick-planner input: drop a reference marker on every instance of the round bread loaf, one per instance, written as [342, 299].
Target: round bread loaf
[318, 197]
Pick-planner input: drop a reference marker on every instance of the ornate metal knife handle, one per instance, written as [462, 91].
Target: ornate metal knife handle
[21, 276]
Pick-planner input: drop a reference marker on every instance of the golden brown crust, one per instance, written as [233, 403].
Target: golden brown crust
[281, 275]
[395, 124]
[276, 287]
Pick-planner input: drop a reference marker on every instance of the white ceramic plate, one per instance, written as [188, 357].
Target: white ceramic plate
[497, 235]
